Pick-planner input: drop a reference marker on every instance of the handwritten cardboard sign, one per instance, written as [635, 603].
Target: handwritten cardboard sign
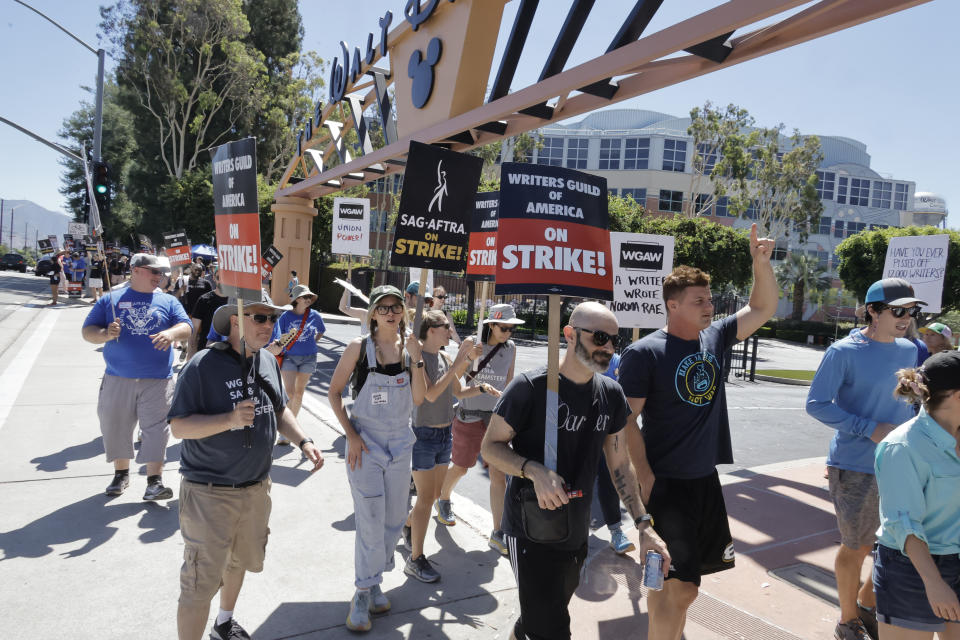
[921, 261]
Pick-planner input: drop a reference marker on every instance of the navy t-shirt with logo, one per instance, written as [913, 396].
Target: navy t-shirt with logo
[685, 425]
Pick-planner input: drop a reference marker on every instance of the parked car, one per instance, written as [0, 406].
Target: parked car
[13, 261]
[44, 267]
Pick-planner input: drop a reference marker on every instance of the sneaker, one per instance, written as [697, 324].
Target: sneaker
[421, 569]
[413, 487]
[229, 630]
[379, 603]
[156, 491]
[359, 617]
[445, 513]
[497, 543]
[869, 619]
[619, 541]
[852, 630]
[407, 544]
[120, 482]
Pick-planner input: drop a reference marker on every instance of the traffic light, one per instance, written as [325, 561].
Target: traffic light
[102, 187]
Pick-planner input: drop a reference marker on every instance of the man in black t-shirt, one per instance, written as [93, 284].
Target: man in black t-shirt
[673, 378]
[201, 314]
[592, 411]
[227, 409]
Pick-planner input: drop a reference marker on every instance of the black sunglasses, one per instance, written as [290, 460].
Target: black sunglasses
[899, 312]
[261, 318]
[504, 327]
[393, 308]
[441, 297]
[601, 338]
[445, 325]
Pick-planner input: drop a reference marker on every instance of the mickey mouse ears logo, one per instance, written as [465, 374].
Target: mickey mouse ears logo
[421, 70]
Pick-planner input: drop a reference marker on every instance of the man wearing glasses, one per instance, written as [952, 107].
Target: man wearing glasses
[852, 393]
[674, 379]
[228, 410]
[137, 333]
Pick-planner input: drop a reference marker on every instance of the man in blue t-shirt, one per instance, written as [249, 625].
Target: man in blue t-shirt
[673, 378]
[136, 326]
[852, 392]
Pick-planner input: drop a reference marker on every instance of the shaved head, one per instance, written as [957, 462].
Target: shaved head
[593, 315]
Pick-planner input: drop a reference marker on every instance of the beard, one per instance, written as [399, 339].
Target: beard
[598, 361]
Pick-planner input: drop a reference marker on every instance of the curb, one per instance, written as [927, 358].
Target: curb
[798, 383]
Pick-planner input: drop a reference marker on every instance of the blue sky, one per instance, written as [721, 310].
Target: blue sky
[890, 83]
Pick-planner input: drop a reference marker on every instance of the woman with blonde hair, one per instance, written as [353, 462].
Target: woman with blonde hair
[917, 568]
[388, 382]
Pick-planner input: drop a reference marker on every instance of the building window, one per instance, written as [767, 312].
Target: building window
[779, 253]
[842, 190]
[613, 192]
[699, 202]
[671, 201]
[397, 183]
[577, 153]
[900, 197]
[825, 183]
[674, 155]
[636, 153]
[551, 153]
[752, 210]
[855, 227]
[879, 226]
[610, 149]
[859, 192]
[838, 229]
[882, 192]
[707, 155]
[824, 228]
[639, 195]
[722, 208]
[820, 256]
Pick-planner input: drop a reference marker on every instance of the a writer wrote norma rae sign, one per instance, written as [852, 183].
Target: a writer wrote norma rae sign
[433, 222]
[553, 233]
[237, 217]
[921, 261]
[482, 251]
[640, 263]
[351, 226]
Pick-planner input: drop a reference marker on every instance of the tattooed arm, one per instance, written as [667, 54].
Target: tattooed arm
[625, 481]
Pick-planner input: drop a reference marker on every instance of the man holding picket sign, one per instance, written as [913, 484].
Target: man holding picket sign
[673, 378]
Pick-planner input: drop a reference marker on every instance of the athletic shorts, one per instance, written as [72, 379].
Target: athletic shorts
[467, 437]
[124, 402]
[856, 502]
[300, 364]
[432, 448]
[55, 278]
[901, 597]
[223, 528]
[95, 283]
[546, 580]
[691, 517]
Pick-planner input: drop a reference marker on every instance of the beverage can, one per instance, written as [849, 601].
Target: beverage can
[653, 571]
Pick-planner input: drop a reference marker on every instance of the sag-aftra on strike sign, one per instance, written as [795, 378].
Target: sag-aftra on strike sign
[553, 233]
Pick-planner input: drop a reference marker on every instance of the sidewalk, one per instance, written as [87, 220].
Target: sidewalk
[73, 559]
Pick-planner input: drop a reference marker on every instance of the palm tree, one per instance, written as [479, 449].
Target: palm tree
[803, 273]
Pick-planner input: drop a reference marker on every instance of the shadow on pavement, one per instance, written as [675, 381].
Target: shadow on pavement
[88, 520]
[58, 461]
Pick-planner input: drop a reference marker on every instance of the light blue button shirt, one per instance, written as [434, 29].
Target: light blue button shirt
[918, 473]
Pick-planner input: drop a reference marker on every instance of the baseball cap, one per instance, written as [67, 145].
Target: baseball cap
[941, 372]
[502, 314]
[149, 261]
[382, 292]
[892, 291]
[938, 327]
[221, 317]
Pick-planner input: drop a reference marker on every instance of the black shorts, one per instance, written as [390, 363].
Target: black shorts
[55, 278]
[546, 580]
[691, 517]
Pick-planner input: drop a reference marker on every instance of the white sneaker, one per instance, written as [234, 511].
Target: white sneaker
[359, 617]
[379, 603]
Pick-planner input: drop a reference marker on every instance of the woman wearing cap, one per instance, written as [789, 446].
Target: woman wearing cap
[388, 384]
[937, 336]
[300, 354]
[917, 569]
[473, 415]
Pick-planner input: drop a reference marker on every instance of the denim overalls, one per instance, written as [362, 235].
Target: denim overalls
[380, 485]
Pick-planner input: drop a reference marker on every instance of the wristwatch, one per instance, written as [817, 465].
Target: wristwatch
[482, 387]
[645, 519]
[419, 365]
[305, 441]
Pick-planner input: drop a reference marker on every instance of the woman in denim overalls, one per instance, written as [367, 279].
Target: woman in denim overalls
[379, 443]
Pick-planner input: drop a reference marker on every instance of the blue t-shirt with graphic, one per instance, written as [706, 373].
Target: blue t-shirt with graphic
[306, 344]
[141, 315]
[685, 425]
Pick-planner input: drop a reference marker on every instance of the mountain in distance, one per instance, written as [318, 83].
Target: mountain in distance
[39, 222]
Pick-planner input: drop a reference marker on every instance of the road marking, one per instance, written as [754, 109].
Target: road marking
[11, 381]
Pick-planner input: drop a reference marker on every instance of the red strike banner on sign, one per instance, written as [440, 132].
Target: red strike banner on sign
[234, 168]
[545, 252]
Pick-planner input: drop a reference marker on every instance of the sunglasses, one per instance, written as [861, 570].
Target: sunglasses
[899, 312]
[441, 297]
[445, 325]
[506, 328]
[261, 318]
[385, 309]
[601, 338]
